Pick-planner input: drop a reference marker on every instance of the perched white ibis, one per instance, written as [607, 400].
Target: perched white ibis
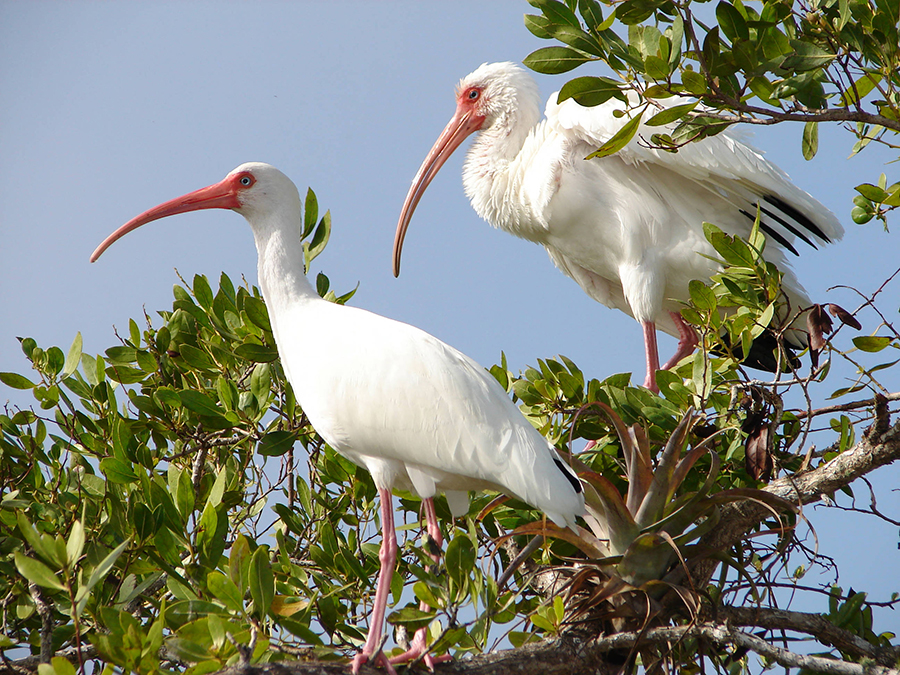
[628, 228]
[412, 410]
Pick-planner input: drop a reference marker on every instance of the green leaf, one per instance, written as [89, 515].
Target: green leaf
[37, 572]
[319, 240]
[217, 491]
[556, 12]
[424, 594]
[872, 192]
[125, 374]
[578, 39]
[861, 216]
[225, 590]
[310, 213]
[592, 14]
[199, 403]
[75, 543]
[97, 575]
[590, 91]
[669, 115]
[871, 343]
[262, 581]
[256, 353]
[632, 12]
[620, 139]
[121, 355]
[58, 665]
[261, 381]
[206, 527]
[117, 471]
[460, 559]
[655, 67]
[555, 60]
[239, 563]
[196, 358]
[675, 35]
[539, 26]
[32, 536]
[257, 312]
[694, 82]
[702, 295]
[732, 23]
[411, 617]
[810, 140]
[146, 520]
[73, 358]
[276, 443]
[16, 381]
[203, 292]
[806, 56]
[103, 568]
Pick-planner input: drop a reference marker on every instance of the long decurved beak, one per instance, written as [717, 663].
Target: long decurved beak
[463, 123]
[222, 195]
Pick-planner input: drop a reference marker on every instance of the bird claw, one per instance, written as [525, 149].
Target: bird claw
[429, 660]
[419, 650]
[379, 660]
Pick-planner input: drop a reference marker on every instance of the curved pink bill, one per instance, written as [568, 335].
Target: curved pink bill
[463, 123]
[222, 195]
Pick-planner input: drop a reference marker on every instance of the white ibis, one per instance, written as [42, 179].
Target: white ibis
[412, 410]
[628, 228]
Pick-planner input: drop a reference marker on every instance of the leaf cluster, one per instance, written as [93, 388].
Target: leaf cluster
[759, 63]
[167, 507]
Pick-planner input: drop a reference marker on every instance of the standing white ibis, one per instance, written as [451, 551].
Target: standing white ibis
[628, 228]
[412, 410]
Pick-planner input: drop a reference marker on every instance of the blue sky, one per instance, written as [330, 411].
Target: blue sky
[111, 108]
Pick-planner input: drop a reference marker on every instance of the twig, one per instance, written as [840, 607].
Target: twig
[45, 611]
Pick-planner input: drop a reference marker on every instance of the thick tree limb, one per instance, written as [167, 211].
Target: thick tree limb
[875, 449]
[583, 656]
[810, 624]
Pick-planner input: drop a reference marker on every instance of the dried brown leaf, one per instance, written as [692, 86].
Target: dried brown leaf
[818, 324]
[844, 316]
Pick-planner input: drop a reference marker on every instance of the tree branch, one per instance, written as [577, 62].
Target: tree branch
[578, 655]
[811, 624]
[745, 115]
[875, 449]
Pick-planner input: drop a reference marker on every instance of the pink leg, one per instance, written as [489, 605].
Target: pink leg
[419, 646]
[388, 557]
[652, 352]
[687, 341]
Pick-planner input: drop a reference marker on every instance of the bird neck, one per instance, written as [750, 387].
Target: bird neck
[494, 172]
[281, 265]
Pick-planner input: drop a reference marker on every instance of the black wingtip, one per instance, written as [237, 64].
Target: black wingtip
[801, 218]
[571, 477]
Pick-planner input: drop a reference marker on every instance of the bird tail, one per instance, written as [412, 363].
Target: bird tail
[764, 352]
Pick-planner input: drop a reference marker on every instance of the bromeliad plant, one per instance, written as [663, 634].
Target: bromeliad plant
[636, 538]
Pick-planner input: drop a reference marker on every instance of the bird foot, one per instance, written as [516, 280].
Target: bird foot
[413, 654]
[419, 649]
[379, 660]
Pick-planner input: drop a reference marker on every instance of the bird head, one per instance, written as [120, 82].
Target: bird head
[495, 92]
[496, 97]
[253, 189]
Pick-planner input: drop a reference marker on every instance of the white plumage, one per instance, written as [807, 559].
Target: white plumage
[628, 227]
[415, 412]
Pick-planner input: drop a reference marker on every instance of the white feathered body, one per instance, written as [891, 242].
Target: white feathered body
[415, 412]
[628, 228]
